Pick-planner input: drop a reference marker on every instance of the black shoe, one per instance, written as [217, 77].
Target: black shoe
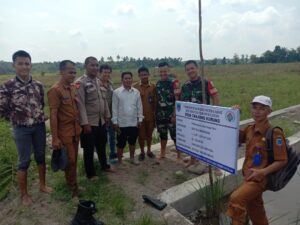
[150, 155]
[142, 157]
[84, 214]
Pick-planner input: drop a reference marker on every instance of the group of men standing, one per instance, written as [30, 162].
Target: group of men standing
[91, 112]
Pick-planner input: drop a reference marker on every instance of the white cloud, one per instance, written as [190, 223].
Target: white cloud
[266, 16]
[41, 14]
[125, 9]
[110, 26]
[78, 37]
[169, 5]
[75, 32]
[52, 30]
[237, 2]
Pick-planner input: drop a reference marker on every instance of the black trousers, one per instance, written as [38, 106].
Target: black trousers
[96, 139]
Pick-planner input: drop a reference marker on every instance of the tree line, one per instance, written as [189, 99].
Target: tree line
[278, 55]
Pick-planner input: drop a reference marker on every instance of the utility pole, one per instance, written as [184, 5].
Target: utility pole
[201, 72]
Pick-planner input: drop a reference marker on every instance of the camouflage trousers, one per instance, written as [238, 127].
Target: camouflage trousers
[162, 129]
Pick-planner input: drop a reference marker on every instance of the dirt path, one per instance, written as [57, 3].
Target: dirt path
[44, 210]
[151, 179]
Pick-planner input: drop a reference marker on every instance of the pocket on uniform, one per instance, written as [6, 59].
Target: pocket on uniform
[90, 88]
[66, 102]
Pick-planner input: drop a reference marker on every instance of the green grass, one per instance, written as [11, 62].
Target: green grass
[8, 159]
[237, 84]
[287, 125]
[213, 198]
[112, 203]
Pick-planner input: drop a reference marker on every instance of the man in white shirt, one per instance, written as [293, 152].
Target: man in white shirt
[127, 116]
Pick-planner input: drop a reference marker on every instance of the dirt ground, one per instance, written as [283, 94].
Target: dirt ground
[150, 178]
[147, 178]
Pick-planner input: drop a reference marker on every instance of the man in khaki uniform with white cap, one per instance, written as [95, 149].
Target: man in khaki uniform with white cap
[248, 197]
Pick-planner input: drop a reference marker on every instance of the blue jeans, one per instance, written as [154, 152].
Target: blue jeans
[27, 139]
[111, 137]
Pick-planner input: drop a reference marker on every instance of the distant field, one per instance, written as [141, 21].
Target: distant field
[237, 84]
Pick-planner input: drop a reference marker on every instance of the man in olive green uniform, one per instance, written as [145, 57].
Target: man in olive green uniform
[165, 107]
[191, 91]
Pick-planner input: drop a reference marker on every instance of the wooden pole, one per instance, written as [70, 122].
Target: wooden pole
[201, 72]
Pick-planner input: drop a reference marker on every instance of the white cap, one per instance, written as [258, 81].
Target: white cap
[265, 100]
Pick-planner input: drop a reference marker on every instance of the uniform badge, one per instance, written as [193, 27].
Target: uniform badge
[77, 85]
[279, 141]
[257, 159]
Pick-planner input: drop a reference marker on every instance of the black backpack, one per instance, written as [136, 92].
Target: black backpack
[279, 179]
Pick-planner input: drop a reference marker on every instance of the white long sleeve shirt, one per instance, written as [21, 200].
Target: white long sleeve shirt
[127, 109]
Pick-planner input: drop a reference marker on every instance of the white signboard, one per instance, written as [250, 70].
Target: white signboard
[208, 133]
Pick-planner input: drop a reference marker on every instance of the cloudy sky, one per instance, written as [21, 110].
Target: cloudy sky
[73, 29]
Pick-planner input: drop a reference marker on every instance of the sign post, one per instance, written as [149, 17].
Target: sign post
[208, 133]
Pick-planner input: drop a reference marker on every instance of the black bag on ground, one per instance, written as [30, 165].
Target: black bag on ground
[279, 179]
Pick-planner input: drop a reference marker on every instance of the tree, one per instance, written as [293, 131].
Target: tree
[253, 58]
[236, 59]
[224, 61]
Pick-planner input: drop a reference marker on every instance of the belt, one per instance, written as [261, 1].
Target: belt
[28, 126]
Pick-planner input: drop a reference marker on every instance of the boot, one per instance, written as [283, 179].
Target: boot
[84, 214]
[22, 180]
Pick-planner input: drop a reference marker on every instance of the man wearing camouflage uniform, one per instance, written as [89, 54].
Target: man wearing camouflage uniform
[191, 91]
[22, 103]
[165, 108]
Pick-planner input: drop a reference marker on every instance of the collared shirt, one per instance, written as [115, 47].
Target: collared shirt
[127, 107]
[191, 91]
[165, 100]
[92, 104]
[63, 99]
[255, 138]
[148, 96]
[107, 90]
[22, 103]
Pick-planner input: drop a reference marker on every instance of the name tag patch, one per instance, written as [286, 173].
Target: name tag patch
[279, 141]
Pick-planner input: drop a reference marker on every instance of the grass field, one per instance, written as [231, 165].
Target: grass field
[237, 84]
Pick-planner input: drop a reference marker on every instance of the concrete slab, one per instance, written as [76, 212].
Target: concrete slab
[272, 115]
[185, 197]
